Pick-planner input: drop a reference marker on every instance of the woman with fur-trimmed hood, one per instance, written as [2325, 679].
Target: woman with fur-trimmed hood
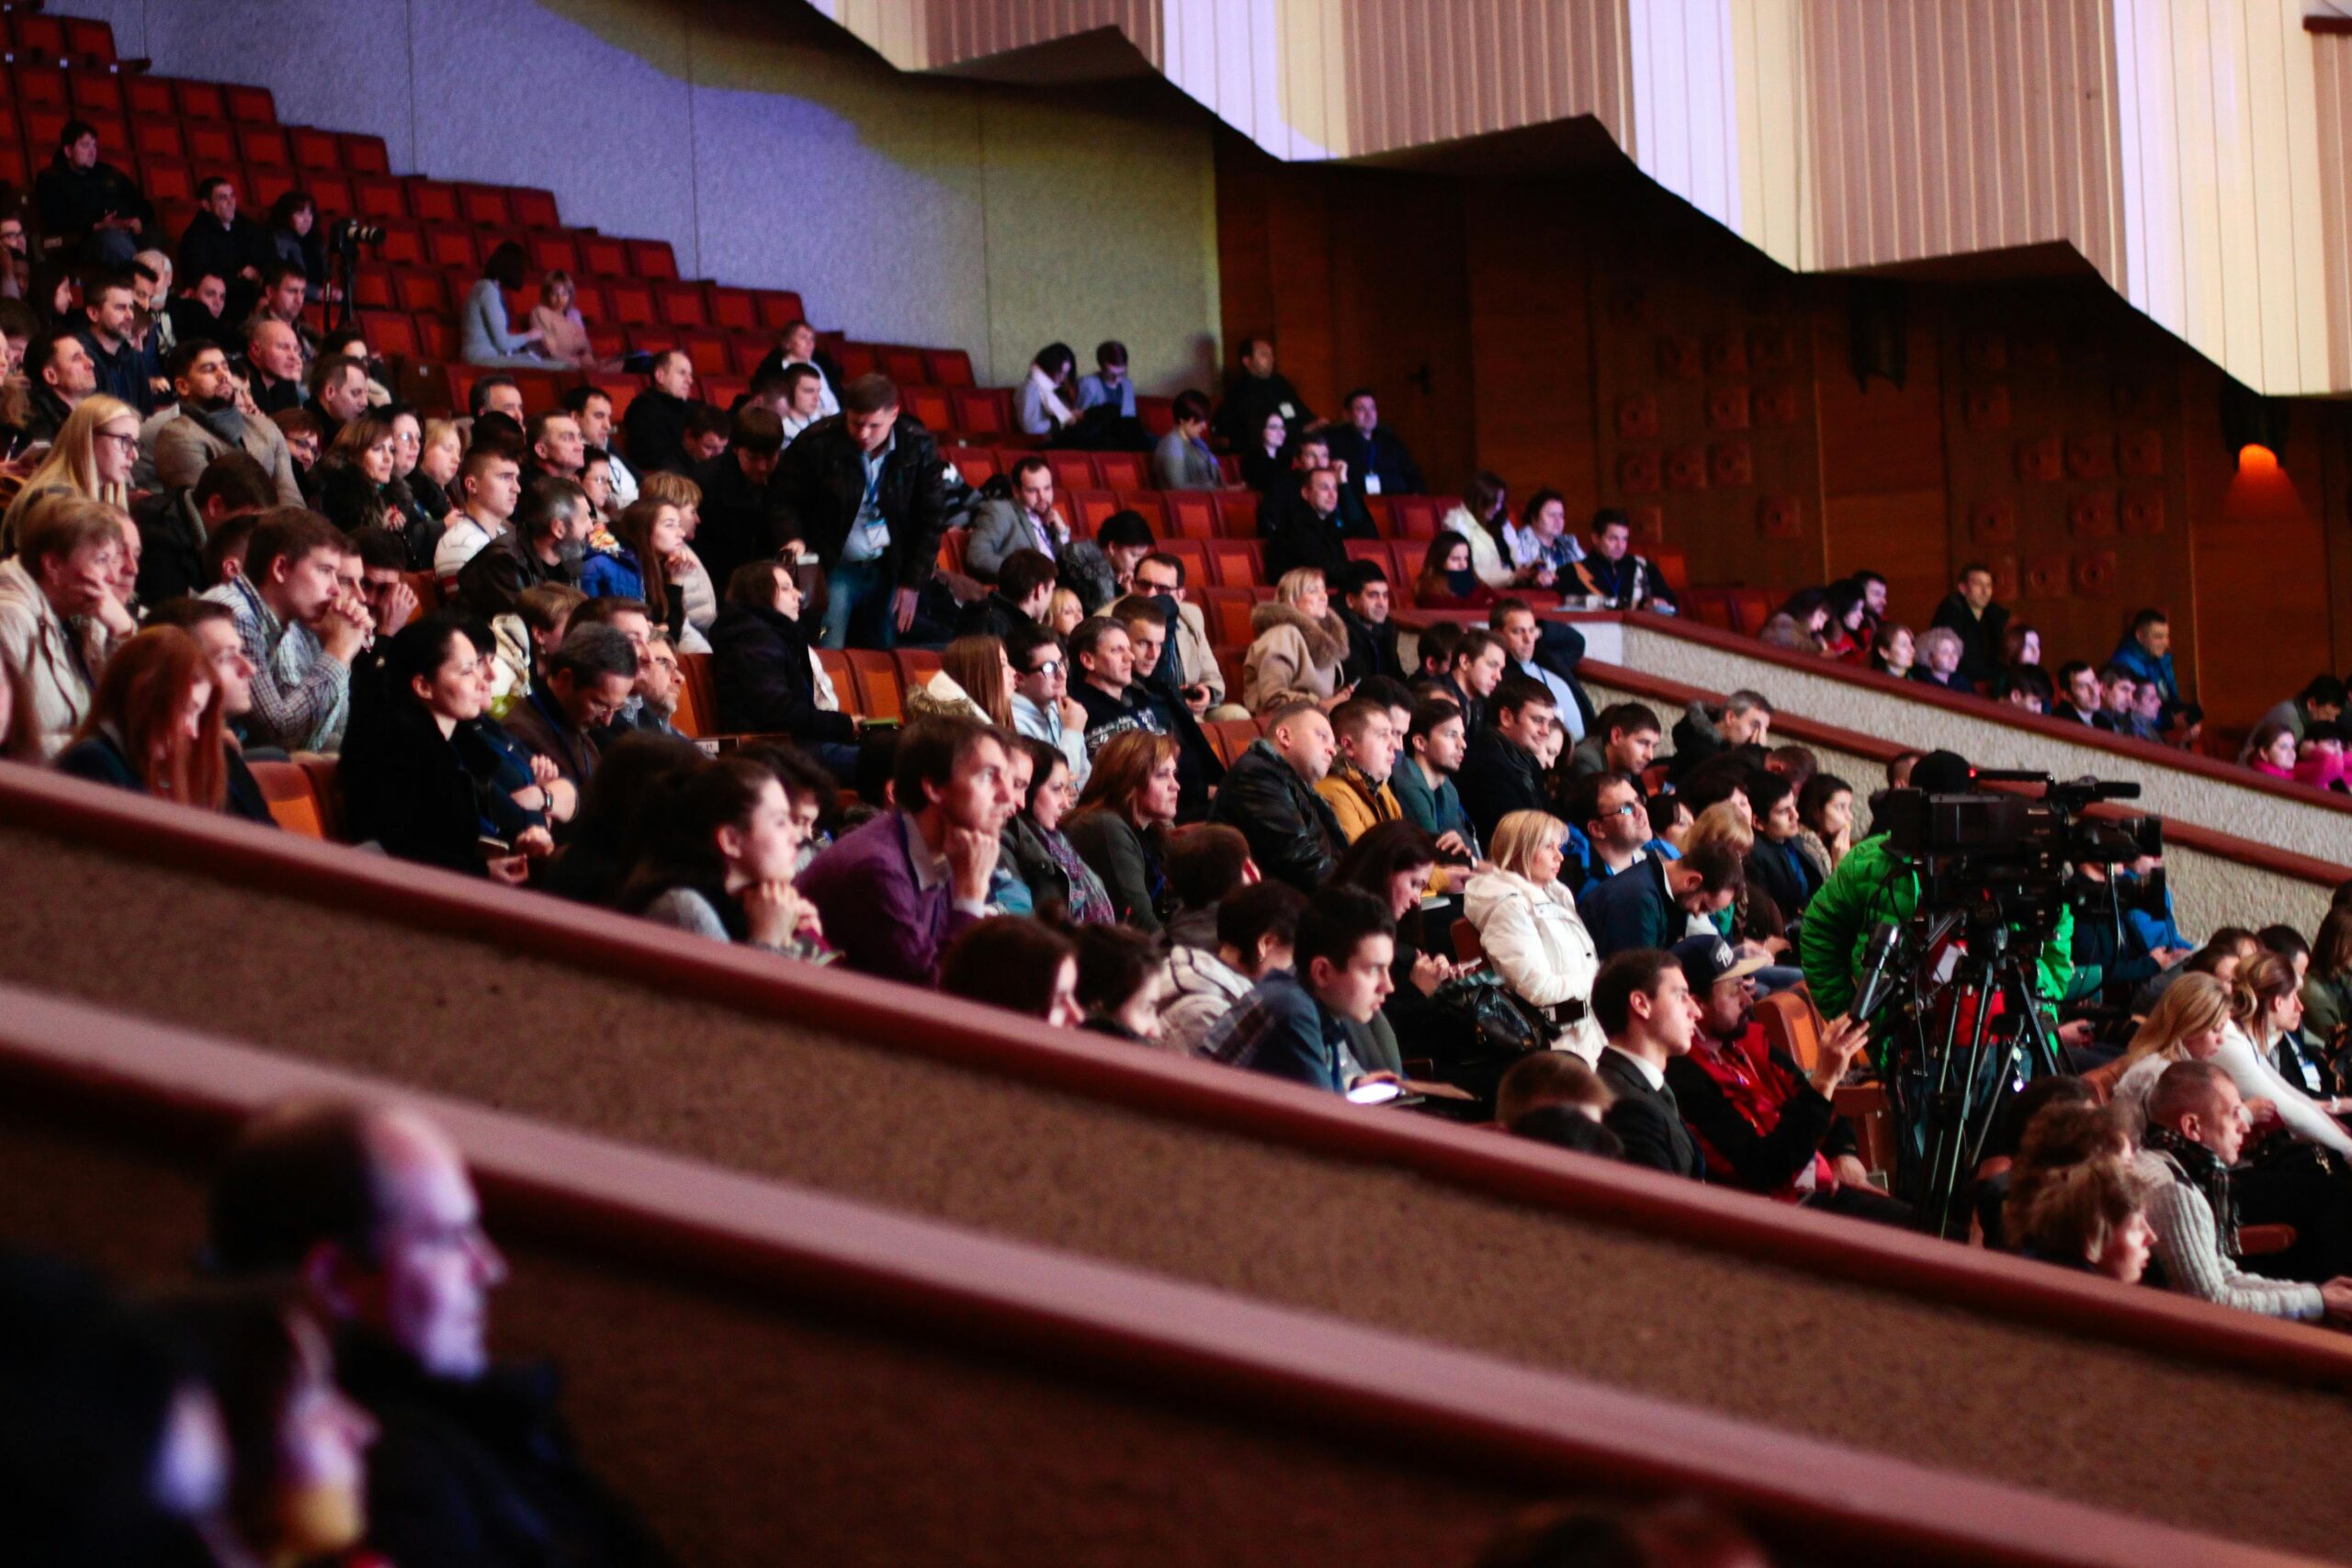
[1298, 645]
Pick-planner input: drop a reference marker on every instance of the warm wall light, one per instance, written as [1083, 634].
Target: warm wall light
[2255, 457]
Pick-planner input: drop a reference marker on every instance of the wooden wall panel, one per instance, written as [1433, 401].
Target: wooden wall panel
[1885, 502]
[1531, 336]
[2064, 425]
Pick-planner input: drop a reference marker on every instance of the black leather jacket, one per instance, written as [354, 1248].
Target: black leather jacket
[1292, 834]
[821, 482]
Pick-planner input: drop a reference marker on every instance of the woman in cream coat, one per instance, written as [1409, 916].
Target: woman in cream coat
[1527, 927]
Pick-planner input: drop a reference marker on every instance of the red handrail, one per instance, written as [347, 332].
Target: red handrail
[1096, 1321]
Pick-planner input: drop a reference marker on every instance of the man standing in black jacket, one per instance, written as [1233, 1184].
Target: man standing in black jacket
[738, 512]
[1372, 636]
[1256, 390]
[867, 491]
[1499, 773]
[654, 429]
[1642, 1001]
[1969, 610]
[1269, 794]
[373, 1211]
[1310, 531]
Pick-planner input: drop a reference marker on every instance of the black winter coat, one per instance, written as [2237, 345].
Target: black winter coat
[739, 524]
[1497, 778]
[1298, 538]
[760, 665]
[653, 432]
[406, 788]
[1293, 835]
[482, 1472]
[821, 483]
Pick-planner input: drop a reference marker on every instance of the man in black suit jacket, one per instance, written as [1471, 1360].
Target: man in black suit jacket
[1642, 1001]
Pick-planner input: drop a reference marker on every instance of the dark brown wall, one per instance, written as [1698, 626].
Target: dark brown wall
[1627, 351]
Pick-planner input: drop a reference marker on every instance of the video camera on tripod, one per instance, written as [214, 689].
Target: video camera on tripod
[345, 237]
[1994, 874]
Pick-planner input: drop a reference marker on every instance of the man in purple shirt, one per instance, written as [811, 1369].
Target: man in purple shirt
[895, 892]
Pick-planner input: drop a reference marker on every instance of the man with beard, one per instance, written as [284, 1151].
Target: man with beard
[545, 544]
[1763, 1122]
[213, 419]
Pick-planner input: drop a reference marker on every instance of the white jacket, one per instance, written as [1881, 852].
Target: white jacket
[1205, 988]
[1539, 947]
[57, 658]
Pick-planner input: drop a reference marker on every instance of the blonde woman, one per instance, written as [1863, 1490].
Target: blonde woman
[1527, 927]
[1298, 648]
[91, 457]
[1064, 611]
[691, 578]
[2185, 1025]
[974, 680]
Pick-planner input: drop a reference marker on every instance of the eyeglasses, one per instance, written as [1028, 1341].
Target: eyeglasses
[1628, 809]
[129, 442]
[1050, 667]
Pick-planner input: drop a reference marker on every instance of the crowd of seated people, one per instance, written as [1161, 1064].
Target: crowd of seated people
[1419, 879]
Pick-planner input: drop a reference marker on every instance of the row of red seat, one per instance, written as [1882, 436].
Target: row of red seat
[28, 35]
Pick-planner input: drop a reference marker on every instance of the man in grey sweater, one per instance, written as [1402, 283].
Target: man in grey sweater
[2197, 1124]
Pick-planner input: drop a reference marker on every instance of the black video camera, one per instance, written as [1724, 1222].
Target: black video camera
[348, 234]
[2012, 854]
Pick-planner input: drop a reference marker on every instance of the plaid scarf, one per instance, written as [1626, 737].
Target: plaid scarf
[2201, 1169]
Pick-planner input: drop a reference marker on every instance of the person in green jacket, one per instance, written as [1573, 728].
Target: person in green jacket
[1871, 883]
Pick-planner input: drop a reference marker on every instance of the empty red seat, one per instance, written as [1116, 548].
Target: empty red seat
[373, 288]
[433, 201]
[265, 185]
[949, 366]
[632, 302]
[94, 92]
[485, 207]
[165, 179]
[365, 155]
[1192, 514]
[930, 405]
[1158, 414]
[652, 259]
[90, 40]
[202, 100]
[379, 196]
[319, 151]
[681, 304]
[1121, 470]
[250, 105]
[1417, 515]
[40, 86]
[436, 338]
[1073, 470]
[707, 349]
[403, 243]
[904, 366]
[734, 310]
[421, 289]
[977, 464]
[451, 248]
[1088, 508]
[720, 391]
[149, 97]
[37, 34]
[1235, 563]
[389, 333]
[857, 359]
[264, 147]
[533, 209]
[211, 147]
[552, 253]
[604, 257]
[331, 192]
[1236, 513]
[779, 308]
[983, 410]
[1150, 505]
[1191, 555]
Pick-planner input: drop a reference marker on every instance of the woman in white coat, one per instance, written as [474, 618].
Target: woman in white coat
[1527, 924]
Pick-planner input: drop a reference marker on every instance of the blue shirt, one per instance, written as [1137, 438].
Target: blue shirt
[1280, 1028]
[1093, 393]
[869, 537]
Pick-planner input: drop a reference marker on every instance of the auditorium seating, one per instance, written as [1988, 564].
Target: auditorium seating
[721, 1055]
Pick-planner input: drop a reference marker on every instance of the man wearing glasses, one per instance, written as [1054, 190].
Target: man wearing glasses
[1606, 811]
[1042, 709]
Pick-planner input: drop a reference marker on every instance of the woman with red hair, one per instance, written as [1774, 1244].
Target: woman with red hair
[155, 725]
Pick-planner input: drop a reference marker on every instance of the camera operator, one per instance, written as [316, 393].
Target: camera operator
[1871, 884]
[2124, 934]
